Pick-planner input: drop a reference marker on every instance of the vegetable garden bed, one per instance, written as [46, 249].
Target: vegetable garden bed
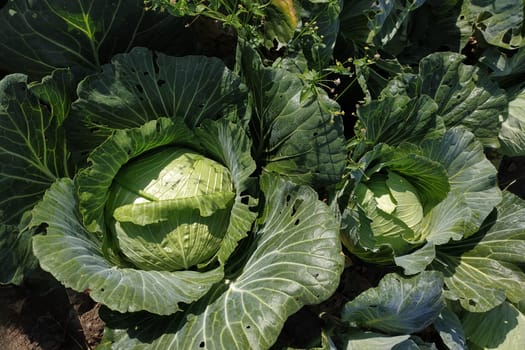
[262, 174]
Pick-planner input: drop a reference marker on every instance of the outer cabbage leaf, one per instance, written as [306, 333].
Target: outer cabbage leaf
[142, 86]
[398, 305]
[74, 257]
[463, 93]
[294, 259]
[38, 36]
[33, 151]
[484, 269]
[397, 119]
[501, 328]
[372, 341]
[295, 127]
[473, 186]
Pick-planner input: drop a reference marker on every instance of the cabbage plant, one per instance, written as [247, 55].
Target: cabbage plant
[169, 196]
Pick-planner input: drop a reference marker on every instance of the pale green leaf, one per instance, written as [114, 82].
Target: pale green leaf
[473, 187]
[74, 257]
[512, 133]
[484, 269]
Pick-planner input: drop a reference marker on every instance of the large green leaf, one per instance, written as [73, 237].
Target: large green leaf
[473, 186]
[142, 86]
[463, 93]
[484, 269]
[501, 328]
[451, 330]
[39, 36]
[398, 305]
[33, 151]
[397, 119]
[74, 257]
[383, 24]
[294, 260]
[296, 128]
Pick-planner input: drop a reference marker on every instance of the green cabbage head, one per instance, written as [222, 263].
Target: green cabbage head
[409, 198]
[169, 209]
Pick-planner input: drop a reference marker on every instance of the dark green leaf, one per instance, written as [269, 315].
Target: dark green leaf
[33, 151]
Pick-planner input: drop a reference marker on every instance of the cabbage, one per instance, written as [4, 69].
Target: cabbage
[155, 216]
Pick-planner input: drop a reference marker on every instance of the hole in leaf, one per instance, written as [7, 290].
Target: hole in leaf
[472, 302]
[288, 197]
[507, 36]
[145, 73]
[161, 82]
[140, 88]
[101, 289]
[158, 127]
[296, 223]
[248, 327]
[315, 134]
[201, 105]
[202, 344]
[42, 228]
[461, 17]
[316, 275]
[458, 97]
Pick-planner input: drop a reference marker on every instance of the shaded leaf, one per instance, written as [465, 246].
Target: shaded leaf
[398, 305]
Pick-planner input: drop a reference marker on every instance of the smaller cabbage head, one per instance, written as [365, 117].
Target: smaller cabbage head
[169, 209]
[394, 208]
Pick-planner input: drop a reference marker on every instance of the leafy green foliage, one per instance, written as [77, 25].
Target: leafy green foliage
[203, 200]
[39, 36]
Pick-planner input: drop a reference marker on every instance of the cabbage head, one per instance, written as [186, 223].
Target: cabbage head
[153, 209]
[408, 198]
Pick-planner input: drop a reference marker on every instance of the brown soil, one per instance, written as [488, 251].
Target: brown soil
[55, 319]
